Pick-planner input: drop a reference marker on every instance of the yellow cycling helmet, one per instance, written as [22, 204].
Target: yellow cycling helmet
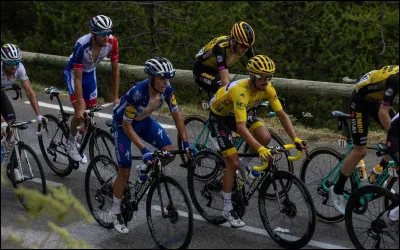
[243, 33]
[261, 64]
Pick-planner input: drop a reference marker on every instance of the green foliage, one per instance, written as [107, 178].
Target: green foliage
[310, 40]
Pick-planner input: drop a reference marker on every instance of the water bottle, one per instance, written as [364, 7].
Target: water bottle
[141, 169]
[253, 174]
[376, 171]
[362, 173]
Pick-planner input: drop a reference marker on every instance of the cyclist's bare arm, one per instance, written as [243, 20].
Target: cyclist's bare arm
[286, 123]
[224, 77]
[26, 84]
[177, 116]
[80, 105]
[115, 81]
[128, 130]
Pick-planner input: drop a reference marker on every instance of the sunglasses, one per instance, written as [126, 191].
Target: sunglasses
[263, 77]
[167, 75]
[104, 33]
[13, 63]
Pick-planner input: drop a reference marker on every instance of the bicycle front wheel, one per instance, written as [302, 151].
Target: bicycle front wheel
[367, 222]
[52, 144]
[30, 174]
[315, 169]
[169, 214]
[102, 143]
[289, 218]
[99, 181]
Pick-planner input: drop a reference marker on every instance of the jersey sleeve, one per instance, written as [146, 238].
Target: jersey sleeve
[240, 101]
[273, 98]
[21, 73]
[392, 88]
[220, 55]
[114, 52]
[170, 99]
[77, 57]
[131, 104]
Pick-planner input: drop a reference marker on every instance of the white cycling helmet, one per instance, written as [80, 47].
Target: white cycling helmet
[159, 66]
[10, 52]
[100, 23]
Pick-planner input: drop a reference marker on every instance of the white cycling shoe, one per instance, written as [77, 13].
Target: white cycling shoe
[233, 219]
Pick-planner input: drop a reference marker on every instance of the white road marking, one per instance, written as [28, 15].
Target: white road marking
[260, 231]
[104, 115]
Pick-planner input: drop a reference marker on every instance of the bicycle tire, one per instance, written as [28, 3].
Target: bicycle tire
[389, 186]
[29, 175]
[377, 227]
[179, 235]
[98, 195]
[62, 168]
[199, 123]
[94, 145]
[210, 187]
[291, 209]
[278, 142]
[325, 212]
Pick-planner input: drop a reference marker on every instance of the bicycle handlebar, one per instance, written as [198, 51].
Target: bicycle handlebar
[17, 90]
[97, 108]
[276, 150]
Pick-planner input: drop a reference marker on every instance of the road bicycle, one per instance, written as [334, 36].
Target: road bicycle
[201, 138]
[23, 167]
[168, 209]
[286, 207]
[367, 221]
[321, 168]
[53, 141]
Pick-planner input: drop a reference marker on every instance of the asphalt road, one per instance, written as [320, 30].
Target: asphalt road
[205, 235]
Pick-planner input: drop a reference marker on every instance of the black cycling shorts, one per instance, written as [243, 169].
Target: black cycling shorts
[7, 110]
[206, 78]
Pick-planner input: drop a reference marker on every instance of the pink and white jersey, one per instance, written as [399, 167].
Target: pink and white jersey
[81, 58]
[20, 74]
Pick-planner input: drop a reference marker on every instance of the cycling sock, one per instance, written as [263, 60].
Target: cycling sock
[339, 186]
[394, 214]
[116, 208]
[227, 201]
[71, 138]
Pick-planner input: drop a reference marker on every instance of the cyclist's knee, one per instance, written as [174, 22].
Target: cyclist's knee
[232, 162]
[124, 173]
[360, 151]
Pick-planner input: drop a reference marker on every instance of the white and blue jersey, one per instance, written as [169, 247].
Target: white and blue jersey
[81, 59]
[135, 107]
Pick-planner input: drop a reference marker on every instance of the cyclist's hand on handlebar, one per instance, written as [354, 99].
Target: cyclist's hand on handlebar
[43, 120]
[301, 144]
[147, 156]
[264, 153]
[188, 149]
[4, 128]
[116, 101]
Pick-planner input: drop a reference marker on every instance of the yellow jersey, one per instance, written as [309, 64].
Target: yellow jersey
[236, 97]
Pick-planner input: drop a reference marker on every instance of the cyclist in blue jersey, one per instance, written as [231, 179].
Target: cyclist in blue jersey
[80, 72]
[132, 123]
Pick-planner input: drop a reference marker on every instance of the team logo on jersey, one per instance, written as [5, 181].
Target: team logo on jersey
[137, 96]
[173, 100]
[130, 112]
[240, 105]
[389, 92]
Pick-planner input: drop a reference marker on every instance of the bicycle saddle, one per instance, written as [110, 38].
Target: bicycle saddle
[340, 115]
[52, 90]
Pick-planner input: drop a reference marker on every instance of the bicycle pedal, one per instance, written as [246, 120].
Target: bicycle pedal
[74, 164]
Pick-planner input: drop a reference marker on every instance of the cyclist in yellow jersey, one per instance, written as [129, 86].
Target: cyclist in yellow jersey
[212, 61]
[228, 112]
[373, 96]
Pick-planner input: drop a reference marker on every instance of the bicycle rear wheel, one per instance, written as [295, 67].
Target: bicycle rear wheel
[173, 227]
[31, 171]
[52, 144]
[365, 215]
[289, 219]
[314, 169]
[99, 181]
[102, 143]
[194, 125]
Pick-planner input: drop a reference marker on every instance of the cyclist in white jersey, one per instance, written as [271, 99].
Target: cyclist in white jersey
[80, 72]
[13, 70]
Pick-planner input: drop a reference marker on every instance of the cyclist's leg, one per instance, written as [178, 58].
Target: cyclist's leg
[7, 110]
[359, 110]
[229, 152]
[123, 155]
[392, 143]
[206, 78]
